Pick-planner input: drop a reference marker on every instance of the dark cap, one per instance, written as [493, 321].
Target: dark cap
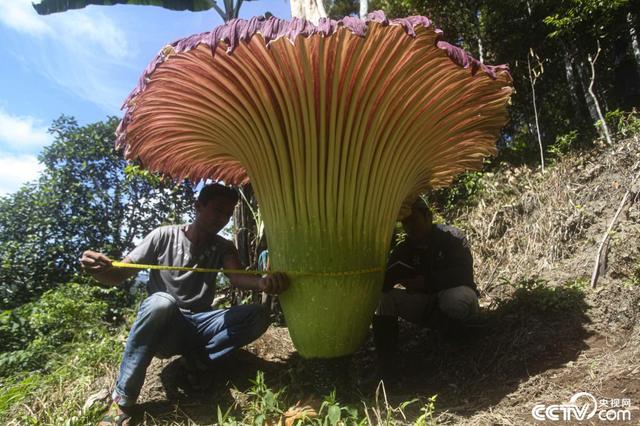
[421, 206]
[215, 190]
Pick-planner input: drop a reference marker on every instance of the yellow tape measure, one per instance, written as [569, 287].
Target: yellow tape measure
[245, 272]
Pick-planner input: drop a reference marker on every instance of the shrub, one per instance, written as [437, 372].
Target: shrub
[563, 144]
[57, 396]
[537, 296]
[624, 124]
[462, 191]
[32, 333]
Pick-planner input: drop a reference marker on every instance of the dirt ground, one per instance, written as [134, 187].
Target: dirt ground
[547, 335]
[526, 356]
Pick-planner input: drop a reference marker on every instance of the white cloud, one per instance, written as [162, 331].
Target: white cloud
[16, 170]
[19, 15]
[83, 51]
[22, 133]
[84, 30]
[73, 28]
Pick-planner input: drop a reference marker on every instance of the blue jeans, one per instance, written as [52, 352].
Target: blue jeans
[162, 329]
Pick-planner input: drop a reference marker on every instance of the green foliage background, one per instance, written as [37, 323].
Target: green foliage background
[56, 325]
[88, 197]
[32, 335]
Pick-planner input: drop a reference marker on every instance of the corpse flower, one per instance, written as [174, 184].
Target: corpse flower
[334, 125]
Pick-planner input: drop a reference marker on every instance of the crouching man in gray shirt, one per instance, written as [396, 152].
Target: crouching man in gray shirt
[177, 317]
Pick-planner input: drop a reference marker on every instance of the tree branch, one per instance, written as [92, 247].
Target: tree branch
[599, 256]
[592, 62]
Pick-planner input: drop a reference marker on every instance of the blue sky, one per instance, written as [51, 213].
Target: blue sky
[81, 63]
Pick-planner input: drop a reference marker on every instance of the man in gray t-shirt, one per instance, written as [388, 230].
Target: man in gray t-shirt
[177, 317]
[169, 245]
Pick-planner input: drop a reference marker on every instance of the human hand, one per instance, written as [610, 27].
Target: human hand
[274, 283]
[94, 262]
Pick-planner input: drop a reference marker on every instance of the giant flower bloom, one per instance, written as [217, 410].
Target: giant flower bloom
[334, 125]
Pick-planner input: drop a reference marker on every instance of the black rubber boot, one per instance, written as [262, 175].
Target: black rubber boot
[385, 338]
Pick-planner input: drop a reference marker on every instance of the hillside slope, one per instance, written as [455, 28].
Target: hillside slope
[535, 239]
[527, 224]
[548, 335]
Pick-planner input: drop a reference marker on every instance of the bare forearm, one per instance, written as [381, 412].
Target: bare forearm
[100, 267]
[245, 282]
[272, 283]
[414, 284]
[113, 277]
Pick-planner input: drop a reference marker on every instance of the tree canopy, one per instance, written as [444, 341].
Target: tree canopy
[88, 197]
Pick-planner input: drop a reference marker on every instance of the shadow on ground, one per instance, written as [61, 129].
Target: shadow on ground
[178, 402]
[539, 328]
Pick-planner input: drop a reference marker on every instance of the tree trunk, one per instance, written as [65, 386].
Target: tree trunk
[480, 47]
[635, 46]
[311, 10]
[364, 8]
[245, 239]
[246, 228]
[593, 112]
[571, 81]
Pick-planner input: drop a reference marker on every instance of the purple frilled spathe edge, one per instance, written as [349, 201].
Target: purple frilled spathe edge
[272, 28]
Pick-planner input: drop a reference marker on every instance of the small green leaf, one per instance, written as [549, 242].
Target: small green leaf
[334, 414]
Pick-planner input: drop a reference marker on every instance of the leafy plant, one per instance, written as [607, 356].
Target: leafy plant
[563, 144]
[331, 413]
[58, 394]
[231, 8]
[463, 190]
[426, 412]
[35, 333]
[575, 15]
[53, 349]
[265, 406]
[264, 403]
[635, 277]
[623, 123]
[537, 296]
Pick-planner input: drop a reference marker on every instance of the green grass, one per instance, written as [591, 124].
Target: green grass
[53, 350]
[266, 406]
[56, 396]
